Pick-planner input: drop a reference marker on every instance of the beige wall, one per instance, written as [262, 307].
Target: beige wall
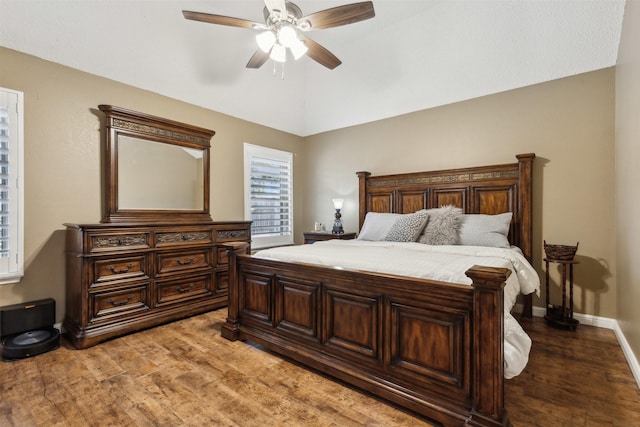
[62, 160]
[628, 176]
[568, 123]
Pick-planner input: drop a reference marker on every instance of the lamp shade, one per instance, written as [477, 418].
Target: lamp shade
[266, 40]
[287, 36]
[337, 203]
[298, 49]
[278, 53]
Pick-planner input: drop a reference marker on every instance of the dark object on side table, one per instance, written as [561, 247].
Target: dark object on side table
[337, 224]
[561, 316]
[560, 252]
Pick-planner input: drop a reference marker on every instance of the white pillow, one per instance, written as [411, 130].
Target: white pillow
[485, 230]
[408, 227]
[377, 225]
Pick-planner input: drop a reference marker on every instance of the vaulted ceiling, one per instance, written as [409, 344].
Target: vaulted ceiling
[413, 55]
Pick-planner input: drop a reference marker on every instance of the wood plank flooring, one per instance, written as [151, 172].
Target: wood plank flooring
[185, 374]
[576, 378]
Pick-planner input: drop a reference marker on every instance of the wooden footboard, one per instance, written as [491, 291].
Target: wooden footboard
[430, 347]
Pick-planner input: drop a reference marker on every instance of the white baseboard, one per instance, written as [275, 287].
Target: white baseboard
[632, 360]
[585, 319]
[607, 323]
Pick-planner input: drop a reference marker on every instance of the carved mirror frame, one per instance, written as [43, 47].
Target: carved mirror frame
[119, 123]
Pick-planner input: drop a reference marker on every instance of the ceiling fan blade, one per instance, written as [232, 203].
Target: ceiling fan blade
[337, 16]
[319, 54]
[221, 20]
[279, 5]
[258, 59]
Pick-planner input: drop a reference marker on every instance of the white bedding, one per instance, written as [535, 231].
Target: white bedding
[444, 263]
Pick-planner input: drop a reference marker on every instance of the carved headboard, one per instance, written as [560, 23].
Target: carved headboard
[484, 189]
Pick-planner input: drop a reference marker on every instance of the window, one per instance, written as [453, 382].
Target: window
[11, 186]
[268, 193]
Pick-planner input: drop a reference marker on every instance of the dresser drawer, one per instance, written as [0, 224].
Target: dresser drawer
[107, 242]
[125, 268]
[222, 259]
[171, 262]
[107, 304]
[187, 237]
[233, 234]
[222, 282]
[177, 291]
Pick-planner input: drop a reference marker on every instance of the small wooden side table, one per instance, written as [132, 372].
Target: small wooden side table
[316, 236]
[561, 315]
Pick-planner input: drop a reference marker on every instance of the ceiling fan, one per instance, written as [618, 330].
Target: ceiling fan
[283, 28]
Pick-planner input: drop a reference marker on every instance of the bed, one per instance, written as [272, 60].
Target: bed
[432, 347]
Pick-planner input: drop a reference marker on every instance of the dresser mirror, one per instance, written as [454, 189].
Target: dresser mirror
[155, 169]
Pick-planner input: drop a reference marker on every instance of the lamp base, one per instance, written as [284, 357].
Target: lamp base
[337, 224]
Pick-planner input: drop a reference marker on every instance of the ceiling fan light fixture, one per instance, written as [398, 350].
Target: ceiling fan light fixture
[283, 26]
[278, 53]
[287, 36]
[298, 49]
[266, 40]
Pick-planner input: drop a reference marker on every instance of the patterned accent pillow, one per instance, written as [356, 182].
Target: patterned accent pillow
[443, 226]
[408, 227]
[486, 230]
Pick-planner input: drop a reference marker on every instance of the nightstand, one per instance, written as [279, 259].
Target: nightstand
[316, 236]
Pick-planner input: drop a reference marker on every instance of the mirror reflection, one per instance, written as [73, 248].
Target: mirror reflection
[159, 176]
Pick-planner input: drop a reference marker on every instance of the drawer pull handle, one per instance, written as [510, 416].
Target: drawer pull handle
[185, 237]
[121, 270]
[121, 302]
[185, 289]
[185, 262]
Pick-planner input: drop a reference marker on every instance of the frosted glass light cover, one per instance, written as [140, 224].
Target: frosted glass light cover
[298, 49]
[278, 53]
[266, 40]
[287, 36]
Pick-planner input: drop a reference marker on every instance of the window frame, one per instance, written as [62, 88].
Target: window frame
[12, 266]
[251, 151]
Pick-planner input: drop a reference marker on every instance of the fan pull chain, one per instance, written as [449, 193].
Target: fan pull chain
[281, 69]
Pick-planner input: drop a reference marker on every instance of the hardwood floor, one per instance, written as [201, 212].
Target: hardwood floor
[576, 378]
[186, 374]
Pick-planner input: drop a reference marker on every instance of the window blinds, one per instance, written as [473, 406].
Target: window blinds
[11, 186]
[270, 197]
[4, 182]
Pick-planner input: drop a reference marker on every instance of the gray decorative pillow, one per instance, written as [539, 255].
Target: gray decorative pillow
[408, 227]
[377, 225]
[485, 230]
[443, 226]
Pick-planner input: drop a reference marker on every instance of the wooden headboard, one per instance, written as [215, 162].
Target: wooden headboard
[485, 189]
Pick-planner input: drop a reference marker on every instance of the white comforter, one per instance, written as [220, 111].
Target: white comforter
[444, 263]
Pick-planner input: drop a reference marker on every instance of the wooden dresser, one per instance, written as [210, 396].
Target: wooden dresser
[126, 277]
